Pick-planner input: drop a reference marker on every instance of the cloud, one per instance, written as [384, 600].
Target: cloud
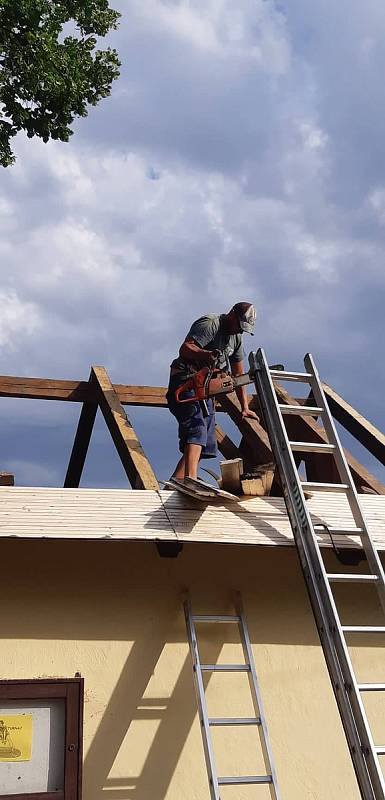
[18, 319]
[239, 157]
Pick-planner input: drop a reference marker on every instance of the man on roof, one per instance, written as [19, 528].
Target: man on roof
[213, 340]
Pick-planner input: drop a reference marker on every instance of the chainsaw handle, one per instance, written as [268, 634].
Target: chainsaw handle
[185, 387]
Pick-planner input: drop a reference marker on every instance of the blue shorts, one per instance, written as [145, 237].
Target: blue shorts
[194, 428]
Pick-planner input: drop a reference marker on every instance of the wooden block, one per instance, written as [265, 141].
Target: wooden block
[260, 481]
[7, 479]
[231, 472]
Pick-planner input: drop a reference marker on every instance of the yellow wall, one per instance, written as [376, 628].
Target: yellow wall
[112, 611]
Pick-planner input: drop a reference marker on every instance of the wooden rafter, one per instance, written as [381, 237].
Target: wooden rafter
[131, 453]
[363, 430]
[308, 430]
[81, 444]
[226, 445]
[252, 430]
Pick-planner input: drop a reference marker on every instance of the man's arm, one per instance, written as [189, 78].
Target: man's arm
[237, 368]
[191, 352]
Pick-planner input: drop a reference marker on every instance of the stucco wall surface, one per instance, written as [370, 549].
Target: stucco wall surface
[113, 612]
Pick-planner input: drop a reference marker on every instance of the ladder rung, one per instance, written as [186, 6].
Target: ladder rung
[380, 750]
[245, 779]
[281, 375]
[225, 668]
[215, 618]
[345, 576]
[338, 531]
[309, 486]
[235, 721]
[311, 411]
[312, 447]
[363, 628]
[371, 687]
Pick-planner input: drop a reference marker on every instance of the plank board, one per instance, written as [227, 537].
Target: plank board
[120, 514]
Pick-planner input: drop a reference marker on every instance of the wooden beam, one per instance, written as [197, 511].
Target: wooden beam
[78, 391]
[44, 389]
[308, 430]
[7, 479]
[260, 484]
[363, 430]
[231, 472]
[137, 467]
[252, 430]
[153, 396]
[225, 445]
[80, 445]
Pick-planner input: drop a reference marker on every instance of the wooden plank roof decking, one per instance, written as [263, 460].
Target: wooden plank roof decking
[120, 514]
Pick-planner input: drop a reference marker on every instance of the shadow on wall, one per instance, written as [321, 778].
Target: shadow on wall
[123, 592]
[175, 714]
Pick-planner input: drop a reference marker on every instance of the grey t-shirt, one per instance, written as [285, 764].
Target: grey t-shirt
[208, 333]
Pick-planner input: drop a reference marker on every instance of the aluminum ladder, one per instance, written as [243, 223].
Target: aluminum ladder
[207, 722]
[332, 632]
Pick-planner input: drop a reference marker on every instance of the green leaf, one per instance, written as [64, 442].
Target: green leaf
[46, 81]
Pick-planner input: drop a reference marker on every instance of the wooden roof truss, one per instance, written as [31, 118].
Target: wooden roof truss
[254, 448]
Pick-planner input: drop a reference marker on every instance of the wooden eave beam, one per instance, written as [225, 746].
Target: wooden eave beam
[136, 464]
[363, 430]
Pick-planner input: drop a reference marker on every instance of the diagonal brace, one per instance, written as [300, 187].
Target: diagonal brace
[136, 464]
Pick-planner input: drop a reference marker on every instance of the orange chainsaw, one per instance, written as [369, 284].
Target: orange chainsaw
[210, 381]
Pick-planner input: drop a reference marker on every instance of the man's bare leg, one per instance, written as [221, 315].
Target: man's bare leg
[179, 471]
[192, 454]
[187, 466]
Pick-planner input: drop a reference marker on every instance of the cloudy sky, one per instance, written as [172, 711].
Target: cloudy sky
[241, 155]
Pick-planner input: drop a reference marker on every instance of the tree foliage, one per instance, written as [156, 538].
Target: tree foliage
[47, 78]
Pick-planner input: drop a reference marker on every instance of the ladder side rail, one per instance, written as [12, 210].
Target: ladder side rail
[201, 702]
[322, 601]
[257, 702]
[346, 477]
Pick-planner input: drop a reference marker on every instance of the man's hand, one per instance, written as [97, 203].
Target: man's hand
[247, 413]
[212, 357]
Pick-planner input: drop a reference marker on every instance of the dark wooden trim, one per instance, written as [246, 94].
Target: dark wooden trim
[73, 745]
[80, 445]
[80, 738]
[35, 796]
[364, 431]
[135, 462]
[71, 690]
[37, 681]
[7, 479]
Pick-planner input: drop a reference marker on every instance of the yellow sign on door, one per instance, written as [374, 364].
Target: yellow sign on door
[16, 737]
